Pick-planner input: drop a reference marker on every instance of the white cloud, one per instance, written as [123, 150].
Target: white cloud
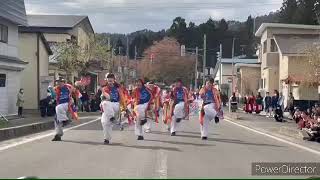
[130, 15]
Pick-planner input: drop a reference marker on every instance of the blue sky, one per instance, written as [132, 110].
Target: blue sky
[124, 16]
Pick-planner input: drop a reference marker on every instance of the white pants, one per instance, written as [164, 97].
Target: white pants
[61, 111]
[110, 110]
[178, 112]
[141, 115]
[61, 115]
[148, 125]
[209, 114]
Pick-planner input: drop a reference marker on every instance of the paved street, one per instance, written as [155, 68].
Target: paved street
[228, 153]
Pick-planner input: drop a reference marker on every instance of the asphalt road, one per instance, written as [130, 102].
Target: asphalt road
[228, 153]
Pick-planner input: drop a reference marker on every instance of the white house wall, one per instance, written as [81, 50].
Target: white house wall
[10, 48]
[8, 94]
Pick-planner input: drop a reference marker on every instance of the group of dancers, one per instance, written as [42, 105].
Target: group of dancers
[141, 106]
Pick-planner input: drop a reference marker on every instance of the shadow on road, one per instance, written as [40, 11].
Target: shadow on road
[184, 132]
[123, 145]
[235, 141]
[180, 143]
[196, 133]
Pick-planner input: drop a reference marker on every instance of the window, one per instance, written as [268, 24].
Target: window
[274, 47]
[265, 46]
[3, 33]
[3, 78]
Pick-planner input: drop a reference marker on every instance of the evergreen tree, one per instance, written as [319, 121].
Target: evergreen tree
[223, 25]
[121, 47]
[288, 12]
[306, 13]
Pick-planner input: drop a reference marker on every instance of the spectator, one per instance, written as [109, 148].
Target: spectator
[85, 101]
[258, 103]
[268, 104]
[290, 106]
[93, 103]
[20, 102]
[252, 102]
[233, 103]
[297, 116]
[281, 101]
[311, 130]
[274, 101]
[247, 107]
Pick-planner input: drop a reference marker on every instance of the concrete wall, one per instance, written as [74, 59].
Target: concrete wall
[44, 59]
[284, 67]
[299, 66]
[43, 70]
[271, 75]
[10, 48]
[250, 77]
[27, 52]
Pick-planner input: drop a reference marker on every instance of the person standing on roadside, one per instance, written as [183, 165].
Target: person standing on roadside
[268, 104]
[290, 106]
[20, 102]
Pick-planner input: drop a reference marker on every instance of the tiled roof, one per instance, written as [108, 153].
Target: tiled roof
[65, 21]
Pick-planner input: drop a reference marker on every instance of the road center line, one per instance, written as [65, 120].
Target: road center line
[162, 167]
[44, 136]
[275, 138]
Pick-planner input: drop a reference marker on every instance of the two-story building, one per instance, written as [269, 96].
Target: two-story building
[227, 75]
[59, 29]
[34, 49]
[12, 14]
[282, 54]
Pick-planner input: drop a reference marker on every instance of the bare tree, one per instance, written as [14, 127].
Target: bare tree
[71, 57]
[167, 64]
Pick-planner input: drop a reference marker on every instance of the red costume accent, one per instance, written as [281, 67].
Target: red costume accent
[72, 91]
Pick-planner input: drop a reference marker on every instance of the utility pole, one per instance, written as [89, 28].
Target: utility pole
[204, 57]
[109, 61]
[233, 42]
[120, 60]
[196, 69]
[220, 64]
[135, 59]
[127, 61]
[112, 61]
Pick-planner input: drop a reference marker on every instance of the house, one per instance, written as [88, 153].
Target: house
[227, 73]
[34, 49]
[12, 14]
[59, 29]
[282, 54]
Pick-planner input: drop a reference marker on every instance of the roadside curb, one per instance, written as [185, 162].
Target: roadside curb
[14, 132]
[285, 131]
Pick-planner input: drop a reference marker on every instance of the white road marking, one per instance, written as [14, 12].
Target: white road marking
[45, 135]
[162, 168]
[275, 138]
